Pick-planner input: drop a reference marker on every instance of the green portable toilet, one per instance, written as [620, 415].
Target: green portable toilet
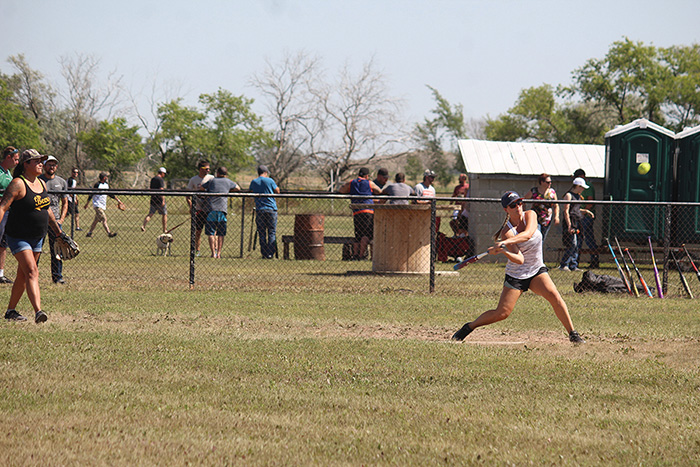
[687, 218]
[638, 167]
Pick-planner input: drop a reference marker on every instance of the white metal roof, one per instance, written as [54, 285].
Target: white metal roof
[688, 132]
[518, 158]
[639, 123]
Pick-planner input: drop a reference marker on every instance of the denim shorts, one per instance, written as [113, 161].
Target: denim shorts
[17, 244]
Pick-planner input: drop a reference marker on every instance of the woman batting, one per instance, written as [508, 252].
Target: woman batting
[28, 202]
[520, 241]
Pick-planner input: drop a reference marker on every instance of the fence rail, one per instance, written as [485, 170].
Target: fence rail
[414, 247]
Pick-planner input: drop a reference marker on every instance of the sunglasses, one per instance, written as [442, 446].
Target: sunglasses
[515, 204]
[548, 182]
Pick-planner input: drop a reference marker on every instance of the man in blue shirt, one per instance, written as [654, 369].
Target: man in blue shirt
[362, 211]
[266, 211]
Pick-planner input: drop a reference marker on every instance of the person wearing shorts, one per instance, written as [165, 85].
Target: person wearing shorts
[362, 212]
[27, 200]
[520, 241]
[157, 201]
[364, 226]
[10, 158]
[215, 226]
[99, 203]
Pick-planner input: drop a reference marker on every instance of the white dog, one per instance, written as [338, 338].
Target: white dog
[163, 242]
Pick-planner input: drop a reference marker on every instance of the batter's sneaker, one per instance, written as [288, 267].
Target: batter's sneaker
[576, 338]
[462, 333]
[12, 315]
[40, 317]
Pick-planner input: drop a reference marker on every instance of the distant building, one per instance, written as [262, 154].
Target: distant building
[495, 167]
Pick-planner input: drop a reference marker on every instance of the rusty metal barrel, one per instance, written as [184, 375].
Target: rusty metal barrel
[308, 237]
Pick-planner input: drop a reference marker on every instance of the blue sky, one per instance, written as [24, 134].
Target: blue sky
[477, 53]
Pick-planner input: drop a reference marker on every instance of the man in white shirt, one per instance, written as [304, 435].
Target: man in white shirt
[425, 189]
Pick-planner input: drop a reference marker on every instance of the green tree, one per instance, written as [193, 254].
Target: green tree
[235, 132]
[16, 128]
[36, 98]
[437, 137]
[682, 102]
[630, 79]
[414, 168]
[225, 131]
[538, 116]
[114, 146]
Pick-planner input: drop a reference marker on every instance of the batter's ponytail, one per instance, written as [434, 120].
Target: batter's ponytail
[497, 236]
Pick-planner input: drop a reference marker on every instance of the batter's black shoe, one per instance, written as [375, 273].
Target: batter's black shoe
[462, 333]
[12, 315]
[576, 338]
[40, 317]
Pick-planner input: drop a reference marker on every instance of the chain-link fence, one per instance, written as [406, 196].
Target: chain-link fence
[317, 248]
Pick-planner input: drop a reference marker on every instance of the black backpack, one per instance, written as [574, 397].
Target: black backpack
[591, 282]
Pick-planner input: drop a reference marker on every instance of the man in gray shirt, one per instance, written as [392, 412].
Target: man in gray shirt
[215, 226]
[59, 206]
[399, 189]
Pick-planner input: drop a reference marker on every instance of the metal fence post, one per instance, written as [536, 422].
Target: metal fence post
[193, 245]
[243, 200]
[667, 244]
[433, 249]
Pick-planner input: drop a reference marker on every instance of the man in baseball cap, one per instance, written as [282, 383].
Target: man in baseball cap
[425, 189]
[579, 181]
[59, 207]
[588, 220]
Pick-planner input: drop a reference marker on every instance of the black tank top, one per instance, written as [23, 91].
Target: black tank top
[575, 215]
[29, 216]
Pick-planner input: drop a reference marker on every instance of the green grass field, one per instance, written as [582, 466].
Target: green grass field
[297, 362]
[119, 377]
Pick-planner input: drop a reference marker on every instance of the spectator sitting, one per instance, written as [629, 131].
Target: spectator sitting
[460, 221]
